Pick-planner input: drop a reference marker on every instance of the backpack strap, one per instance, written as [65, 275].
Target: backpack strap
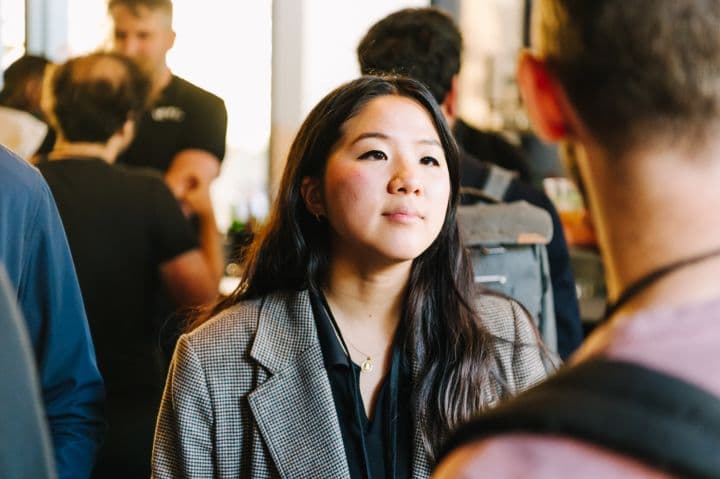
[497, 183]
[653, 417]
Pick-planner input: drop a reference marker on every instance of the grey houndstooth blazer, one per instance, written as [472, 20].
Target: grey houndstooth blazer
[247, 394]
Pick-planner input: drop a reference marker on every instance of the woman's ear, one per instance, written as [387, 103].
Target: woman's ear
[544, 99]
[311, 192]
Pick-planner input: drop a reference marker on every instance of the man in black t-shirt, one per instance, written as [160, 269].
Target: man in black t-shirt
[183, 132]
[129, 241]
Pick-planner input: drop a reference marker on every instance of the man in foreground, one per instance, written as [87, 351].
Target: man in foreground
[630, 91]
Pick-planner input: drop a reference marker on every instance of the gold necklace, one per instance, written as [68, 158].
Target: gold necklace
[366, 366]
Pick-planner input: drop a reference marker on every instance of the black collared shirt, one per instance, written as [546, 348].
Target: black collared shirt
[346, 394]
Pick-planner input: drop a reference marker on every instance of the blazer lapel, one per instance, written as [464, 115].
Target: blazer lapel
[294, 409]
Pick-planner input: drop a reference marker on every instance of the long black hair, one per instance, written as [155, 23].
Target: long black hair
[442, 333]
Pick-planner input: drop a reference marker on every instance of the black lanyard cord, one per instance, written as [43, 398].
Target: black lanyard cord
[641, 284]
[391, 429]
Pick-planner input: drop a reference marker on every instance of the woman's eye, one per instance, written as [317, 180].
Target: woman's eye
[373, 155]
[429, 160]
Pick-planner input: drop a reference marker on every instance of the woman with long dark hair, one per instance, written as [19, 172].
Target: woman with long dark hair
[355, 341]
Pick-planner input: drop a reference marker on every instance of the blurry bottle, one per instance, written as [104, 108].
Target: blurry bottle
[573, 213]
[246, 216]
[239, 235]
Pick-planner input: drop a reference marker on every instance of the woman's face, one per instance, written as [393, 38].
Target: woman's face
[386, 186]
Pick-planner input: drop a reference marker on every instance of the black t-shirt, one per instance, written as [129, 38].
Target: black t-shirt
[121, 224]
[346, 394]
[184, 117]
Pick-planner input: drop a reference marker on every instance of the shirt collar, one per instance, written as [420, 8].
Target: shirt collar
[333, 352]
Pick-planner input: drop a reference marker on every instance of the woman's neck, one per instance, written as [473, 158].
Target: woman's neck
[358, 296]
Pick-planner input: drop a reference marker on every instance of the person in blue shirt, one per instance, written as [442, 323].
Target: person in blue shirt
[36, 255]
[25, 449]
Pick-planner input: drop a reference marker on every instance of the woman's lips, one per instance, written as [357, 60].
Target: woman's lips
[403, 216]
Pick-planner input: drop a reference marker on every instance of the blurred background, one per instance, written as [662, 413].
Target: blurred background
[272, 60]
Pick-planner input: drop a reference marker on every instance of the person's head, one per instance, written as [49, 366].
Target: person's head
[384, 186]
[341, 153]
[142, 30]
[626, 74]
[22, 83]
[374, 170]
[422, 43]
[94, 97]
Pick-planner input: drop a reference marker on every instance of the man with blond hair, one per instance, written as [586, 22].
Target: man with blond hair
[184, 128]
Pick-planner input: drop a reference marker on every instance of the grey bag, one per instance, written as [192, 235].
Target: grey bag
[507, 245]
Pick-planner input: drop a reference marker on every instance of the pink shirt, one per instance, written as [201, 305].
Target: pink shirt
[682, 341]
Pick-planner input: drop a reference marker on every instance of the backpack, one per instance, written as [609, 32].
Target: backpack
[507, 246]
[656, 418]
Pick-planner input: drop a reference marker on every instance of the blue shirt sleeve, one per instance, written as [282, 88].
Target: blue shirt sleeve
[49, 296]
[25, 448]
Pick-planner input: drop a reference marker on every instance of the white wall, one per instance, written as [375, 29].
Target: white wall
[47, 23]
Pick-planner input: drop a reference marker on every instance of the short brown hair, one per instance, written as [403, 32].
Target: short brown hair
[24, 70]
[135, 5]
[635, 70]
[91, 103]
[422, 43]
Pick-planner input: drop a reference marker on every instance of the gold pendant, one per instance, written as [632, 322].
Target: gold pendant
[367, 365]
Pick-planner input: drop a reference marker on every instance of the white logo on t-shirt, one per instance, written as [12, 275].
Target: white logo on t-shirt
[168, 113]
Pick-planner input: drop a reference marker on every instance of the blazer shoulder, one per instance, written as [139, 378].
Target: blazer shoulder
[231, 329]
[279, 321]
[517, 345]
[505, 318]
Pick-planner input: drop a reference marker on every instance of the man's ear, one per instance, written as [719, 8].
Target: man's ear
[544, 99]
[127, 132]
[311, 192]
[449, 104]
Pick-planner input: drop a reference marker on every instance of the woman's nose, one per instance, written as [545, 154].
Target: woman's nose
[405, 180]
